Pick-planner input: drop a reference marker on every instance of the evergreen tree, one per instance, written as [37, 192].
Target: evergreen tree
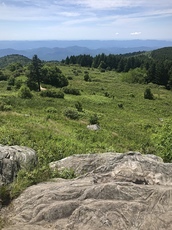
[35, 74]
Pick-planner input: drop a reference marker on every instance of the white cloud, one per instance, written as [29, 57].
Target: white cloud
[69, 14]
[135, 33]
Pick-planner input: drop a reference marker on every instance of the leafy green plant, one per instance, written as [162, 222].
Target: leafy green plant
[162, 141]
[72, 114]
[67, 173]
[27, 178]
[52, 93]
[5, 107]
[11, 80]
[78, 106]
[94, 119]
[87, 77]
[148, 94]
[25, 93]
[73, 91]
[51, 110]
[18, 83]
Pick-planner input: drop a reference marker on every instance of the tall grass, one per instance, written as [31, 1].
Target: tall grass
[40, 122]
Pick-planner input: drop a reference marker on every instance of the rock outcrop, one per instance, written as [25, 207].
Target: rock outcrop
[112, 191]
[14, 158]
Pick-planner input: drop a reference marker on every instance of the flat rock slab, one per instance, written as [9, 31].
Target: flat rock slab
[118, 191]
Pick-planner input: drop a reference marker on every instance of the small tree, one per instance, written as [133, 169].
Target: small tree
[35, 74]
[24, 92]
[148, 94]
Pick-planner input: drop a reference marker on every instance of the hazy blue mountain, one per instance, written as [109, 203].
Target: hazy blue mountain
[58, 50]
[91, 44]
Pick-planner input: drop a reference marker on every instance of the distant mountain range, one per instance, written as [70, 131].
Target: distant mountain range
[58, 50]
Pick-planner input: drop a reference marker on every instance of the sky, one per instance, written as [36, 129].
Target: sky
[85, 19]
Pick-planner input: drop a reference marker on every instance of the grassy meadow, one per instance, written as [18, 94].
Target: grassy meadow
[40, 122]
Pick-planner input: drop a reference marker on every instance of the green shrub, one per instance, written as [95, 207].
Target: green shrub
[65, 173]
[137, 75]
[148, 94]
[4, 106]
[7, 107]
[94, 119]
[18, 83]
[52, 93]
[71, 91]
[70, 78]
[162, 140]
[11, 81]
[3, 77]
[24, 92]
[27, 178]
[71, 113]
[51, 110]
[87, 77]
[78, 106]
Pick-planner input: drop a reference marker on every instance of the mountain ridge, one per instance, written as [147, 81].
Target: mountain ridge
[58, 50]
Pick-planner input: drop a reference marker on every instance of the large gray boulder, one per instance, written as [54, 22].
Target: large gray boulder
[113, 191]
[14, 158]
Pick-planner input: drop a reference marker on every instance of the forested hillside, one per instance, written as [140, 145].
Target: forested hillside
[14, 58]
[156, 67]
[162, 54]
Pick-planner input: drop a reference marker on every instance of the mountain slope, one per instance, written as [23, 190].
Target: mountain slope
[13, 58]
[162, 54]
[58, 54]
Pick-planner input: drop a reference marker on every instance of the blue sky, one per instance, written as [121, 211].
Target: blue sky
[85, 19]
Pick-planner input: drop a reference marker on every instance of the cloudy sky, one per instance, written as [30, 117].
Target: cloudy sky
[85, 19]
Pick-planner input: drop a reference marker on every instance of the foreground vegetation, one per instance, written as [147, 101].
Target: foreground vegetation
[54, 121]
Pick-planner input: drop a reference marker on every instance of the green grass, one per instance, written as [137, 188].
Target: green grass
[40, 122]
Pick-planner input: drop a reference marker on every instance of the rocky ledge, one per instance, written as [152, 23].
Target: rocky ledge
[112, 191]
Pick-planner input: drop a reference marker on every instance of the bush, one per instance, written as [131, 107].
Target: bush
[52, 93]
[11, 81]
[94, 119]
[162, 141]
[135, 76]
[53, 76]
[4, 107]
[51, 110]
[24, 92]
[3, 77]
[18, 83]
[72, 114]
[71, 91]
[78, 106]
[87, 77]
[148, 94]
[70, 78]
[32, 85]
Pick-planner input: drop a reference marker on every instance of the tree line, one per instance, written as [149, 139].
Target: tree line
[158, 71]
